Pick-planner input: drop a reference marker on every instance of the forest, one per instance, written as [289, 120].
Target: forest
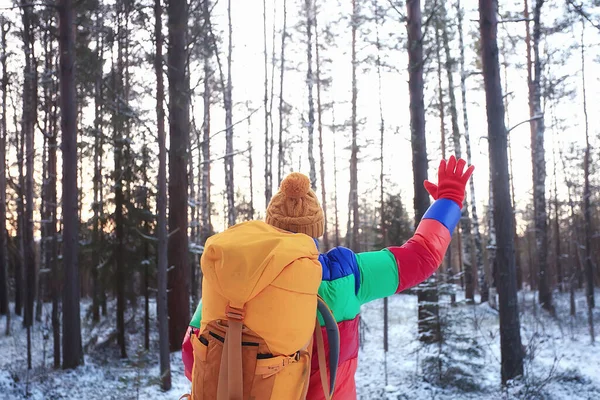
[131, 131]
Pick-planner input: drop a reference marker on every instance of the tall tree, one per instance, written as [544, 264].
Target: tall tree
[587, 193]
[465, 221]
[442, 110]
[354, 222]
[310, 80]
[4, 310]
[207, 51]
[268, 166]
[72, 349]
[97, 181]
[280, 153]
[161, 206]
[510, 335]
[28, 131]
[119, 140]
[539, 167]
[178, 290]
[228, 102]
[320, 129]
[427, 294]
[335, 173]
[478, 268]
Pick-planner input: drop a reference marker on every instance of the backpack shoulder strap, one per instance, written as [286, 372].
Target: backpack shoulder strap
[230, 385]
[333, 338]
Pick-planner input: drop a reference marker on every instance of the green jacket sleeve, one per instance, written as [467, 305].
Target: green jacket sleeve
[195, 322]
[378, 275]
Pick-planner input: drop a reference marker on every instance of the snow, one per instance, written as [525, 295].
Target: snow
[560, 361]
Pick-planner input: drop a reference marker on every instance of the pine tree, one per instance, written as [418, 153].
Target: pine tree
[510, 335]
[178, 276]
[427, 294]
[72, 347]
[539, 167]
[353, 222]
[228, 102]
[161, 205]
[4, 309]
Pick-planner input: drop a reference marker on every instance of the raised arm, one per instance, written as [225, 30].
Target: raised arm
[397, 268]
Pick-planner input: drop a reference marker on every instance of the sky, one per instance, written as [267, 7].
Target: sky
[247, 72]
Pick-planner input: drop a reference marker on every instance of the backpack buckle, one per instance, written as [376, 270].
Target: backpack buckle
[236, 314]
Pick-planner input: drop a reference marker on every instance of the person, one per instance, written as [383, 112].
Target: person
[350, 279]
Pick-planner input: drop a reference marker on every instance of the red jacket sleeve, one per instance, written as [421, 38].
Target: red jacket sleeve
[420, 257]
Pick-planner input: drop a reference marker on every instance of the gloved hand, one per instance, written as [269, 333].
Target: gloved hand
[451, 181]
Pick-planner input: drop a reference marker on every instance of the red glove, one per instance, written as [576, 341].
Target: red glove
[451, 181]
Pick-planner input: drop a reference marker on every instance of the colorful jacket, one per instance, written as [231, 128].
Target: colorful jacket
[351, 280]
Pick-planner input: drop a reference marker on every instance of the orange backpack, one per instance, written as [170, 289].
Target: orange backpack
[259, 312]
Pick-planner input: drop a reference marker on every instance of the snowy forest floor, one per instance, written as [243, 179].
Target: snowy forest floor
[560, 361]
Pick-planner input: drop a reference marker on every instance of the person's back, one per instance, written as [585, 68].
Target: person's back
[350, 280]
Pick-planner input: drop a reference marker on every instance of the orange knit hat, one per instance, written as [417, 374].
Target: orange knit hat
[296, 208]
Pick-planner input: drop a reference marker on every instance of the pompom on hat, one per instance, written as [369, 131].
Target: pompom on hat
[295, 207]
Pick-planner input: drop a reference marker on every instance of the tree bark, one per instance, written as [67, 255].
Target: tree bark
[427, 293]
[161, 206]
[4, 305]
[178, 274]
[72, 349]
[229, 183]
[98, 207]
[308, 8]
[118, 144]
[587, 209]
[268, 157]
[449, 269]
[280, 153]
[335, 173]
[354, 221]
[205, 193]
[28, 128]
[539, 169]
[510, 335]
[465, 221]
[320, 129]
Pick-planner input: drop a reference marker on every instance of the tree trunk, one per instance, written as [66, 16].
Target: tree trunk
[335, 171]
[557, 236]
[353, 198]
[4, 306]
[268, 172]
[280, 154]
[52, 255]
[587, 209]
[427, 293]
[382, 220]
[320, 129]
[72, 349]
[539, 169]
[308, 8]
[510, 335]
[20, 290]
[205, 193]
[161, 206]
[229, 184]
[28, 128]
[118, 143]
[465, 221]
[178, 298]
[98, 109]
[449, 270]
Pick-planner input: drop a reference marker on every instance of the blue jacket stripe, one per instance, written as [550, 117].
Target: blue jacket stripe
[445, 211]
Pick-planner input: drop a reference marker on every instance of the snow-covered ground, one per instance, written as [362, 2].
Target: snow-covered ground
[561, 362]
